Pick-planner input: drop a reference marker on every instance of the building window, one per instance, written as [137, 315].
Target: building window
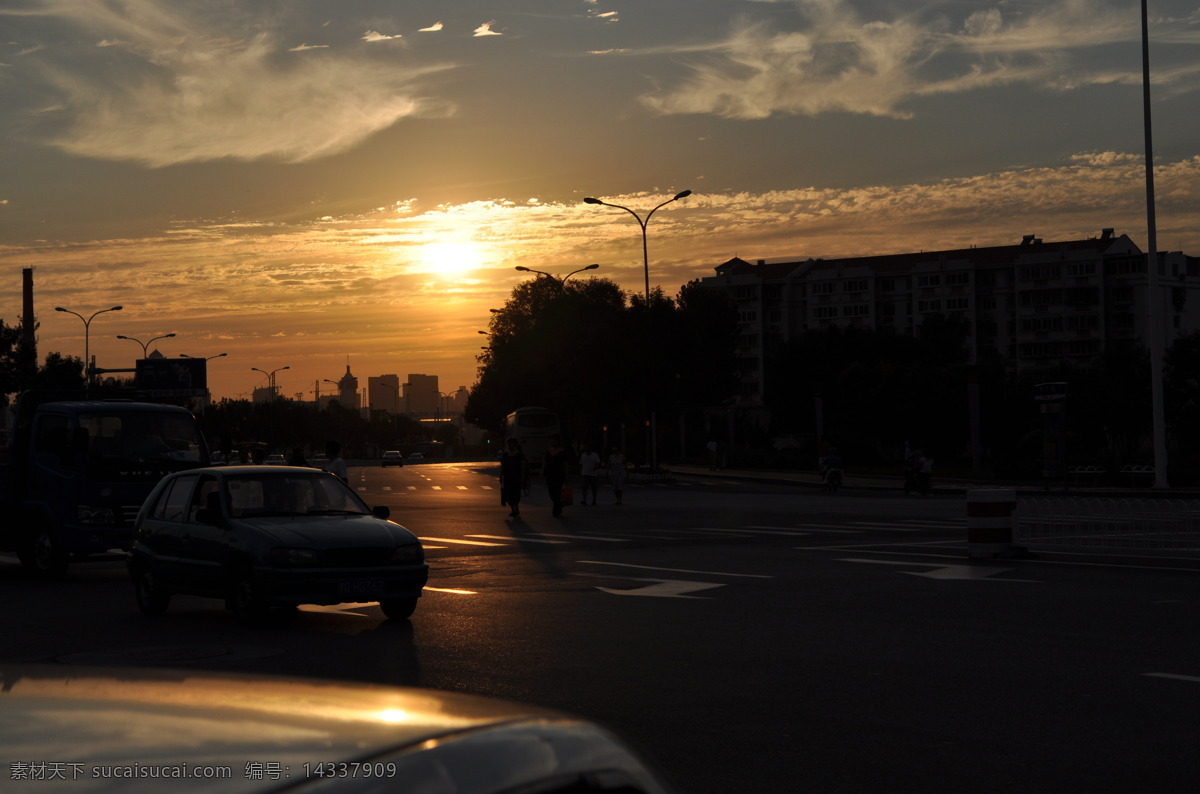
[857, 310]
[926, 307]
[930, 280]
[958, 279]
[823, 288]
[956, 304]
[825, 312]
[855, 285]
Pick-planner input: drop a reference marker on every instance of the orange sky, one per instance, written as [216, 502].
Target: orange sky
[298, 189]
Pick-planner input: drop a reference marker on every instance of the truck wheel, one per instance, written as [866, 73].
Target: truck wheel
[398, 608]
[42, 555]
[152, 599]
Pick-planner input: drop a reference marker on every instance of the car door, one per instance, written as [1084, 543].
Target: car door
[206, 536]
[163, 529]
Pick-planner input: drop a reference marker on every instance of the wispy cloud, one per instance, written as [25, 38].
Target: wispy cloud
[434, 28]
[374, 35]
[486, 30]
[832, 58]
[187, 92]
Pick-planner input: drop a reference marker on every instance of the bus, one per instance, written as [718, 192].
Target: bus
[532, 428]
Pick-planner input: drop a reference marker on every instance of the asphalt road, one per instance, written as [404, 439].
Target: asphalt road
[746, 637]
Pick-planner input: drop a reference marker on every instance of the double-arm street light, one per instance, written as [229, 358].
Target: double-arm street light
[146, 345]
[271, 377]
[206, 358]
[646, 267]
[87, 326]
[642, 222]
[561, 281]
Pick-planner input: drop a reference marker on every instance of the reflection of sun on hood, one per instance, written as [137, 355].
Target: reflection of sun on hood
[326, 532]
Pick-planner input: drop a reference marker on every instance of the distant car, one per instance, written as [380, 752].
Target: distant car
[265, 539]
[392, 458]
[415, 457]
[138, 730]
[276, 460]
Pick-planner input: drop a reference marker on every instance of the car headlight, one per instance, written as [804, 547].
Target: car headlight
[89, 515]
[285, 557]
[408, 554]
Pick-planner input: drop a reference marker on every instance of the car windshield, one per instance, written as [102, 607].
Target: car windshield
[291, 494]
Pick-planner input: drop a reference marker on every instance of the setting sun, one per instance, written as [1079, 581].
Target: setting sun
[451, 258]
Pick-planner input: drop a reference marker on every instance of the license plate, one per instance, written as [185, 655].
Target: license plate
[361, 590]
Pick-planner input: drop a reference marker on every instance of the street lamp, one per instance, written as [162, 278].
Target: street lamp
[207, 358]
[270, 377]
[87, 352]
[561, 281]
[642, 222]
[646, 265]
[146, 345]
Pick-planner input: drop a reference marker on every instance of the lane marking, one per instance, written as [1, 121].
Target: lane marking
[588, 536]
[518, 539]
[449, 590]
[1195, 679]
[463, 542]
[675, 570]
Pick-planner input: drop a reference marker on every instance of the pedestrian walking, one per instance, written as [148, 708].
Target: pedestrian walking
[617, 471]
[589, 465]
[513, 473]
[555, 467]
[337, 466]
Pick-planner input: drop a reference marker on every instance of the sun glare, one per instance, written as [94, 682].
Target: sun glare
[451, 259]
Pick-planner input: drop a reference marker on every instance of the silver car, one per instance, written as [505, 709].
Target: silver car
[77, 730]
[267, 538]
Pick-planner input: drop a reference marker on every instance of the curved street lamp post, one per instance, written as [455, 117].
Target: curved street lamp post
[87, 352]
[271, 378]
[561, 281]
[146, 345]
[642, 222]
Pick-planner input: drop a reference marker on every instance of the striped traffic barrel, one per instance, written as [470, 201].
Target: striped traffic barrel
[990, 522]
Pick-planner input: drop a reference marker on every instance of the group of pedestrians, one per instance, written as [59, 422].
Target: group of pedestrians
[514, 475]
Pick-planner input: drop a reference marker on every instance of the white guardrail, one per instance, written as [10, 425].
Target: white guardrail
[1162, 525]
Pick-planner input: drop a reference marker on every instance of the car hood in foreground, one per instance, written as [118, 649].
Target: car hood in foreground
[78, 729]
[329, 531]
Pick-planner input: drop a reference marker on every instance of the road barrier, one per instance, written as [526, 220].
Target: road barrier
[990, 523]
[1092, 523]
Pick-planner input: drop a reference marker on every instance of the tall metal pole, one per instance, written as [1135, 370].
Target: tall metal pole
[87, 351]
[1154, 308]
[646, 269]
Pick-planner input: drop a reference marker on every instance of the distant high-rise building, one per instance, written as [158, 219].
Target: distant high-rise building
[383, 393]
[348, 391]
[421, 395]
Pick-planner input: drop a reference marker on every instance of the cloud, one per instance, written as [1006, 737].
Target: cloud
[830, 58]
[486, 30]
[187, 92]
[305, 47]
[434, 28]
[374, 35]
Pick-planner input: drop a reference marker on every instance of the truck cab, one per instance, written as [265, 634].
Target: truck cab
[77, 471]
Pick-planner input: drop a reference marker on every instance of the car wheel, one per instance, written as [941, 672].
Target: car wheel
[398, 608]
[42, 555]
[152, 599]
[246, 599]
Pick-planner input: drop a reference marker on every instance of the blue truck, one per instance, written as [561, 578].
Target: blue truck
[76, 470]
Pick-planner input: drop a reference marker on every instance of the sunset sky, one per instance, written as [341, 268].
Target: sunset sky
[307, 183]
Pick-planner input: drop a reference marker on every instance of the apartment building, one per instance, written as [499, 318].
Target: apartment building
[1035, 303]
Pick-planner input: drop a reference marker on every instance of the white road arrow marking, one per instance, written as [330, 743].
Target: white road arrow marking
[973, 572]
[664, 588]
